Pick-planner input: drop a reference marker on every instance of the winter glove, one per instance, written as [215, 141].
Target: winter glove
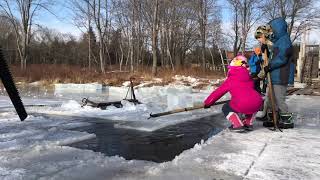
[206, 106]
[258, 63]
[266, 69]
[265, 47]
[253, 75]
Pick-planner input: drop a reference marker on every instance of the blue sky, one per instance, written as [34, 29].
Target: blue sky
[62, 20]
[59, 19]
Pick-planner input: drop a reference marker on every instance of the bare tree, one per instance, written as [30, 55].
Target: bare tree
[235, 4]
[155, 37]
[89, 35]
[300, 14]
[246, 13]
[99, 20]
[216, 36]
[26, 9]
[131, 33]
[82, 18]
[250, 14]
[96, 12]
[122, 22]
[202, 26]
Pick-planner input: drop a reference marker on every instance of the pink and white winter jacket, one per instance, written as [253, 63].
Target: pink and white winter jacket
[244, 98]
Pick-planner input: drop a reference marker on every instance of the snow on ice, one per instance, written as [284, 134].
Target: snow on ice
[36, 148]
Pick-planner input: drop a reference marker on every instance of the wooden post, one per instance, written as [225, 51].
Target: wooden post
[301, 59]
[319, 61]
[271, 94]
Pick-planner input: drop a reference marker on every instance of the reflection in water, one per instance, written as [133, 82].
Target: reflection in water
[158, 146]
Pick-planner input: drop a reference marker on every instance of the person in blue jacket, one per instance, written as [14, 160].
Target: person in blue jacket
[255, 67]
[276, 40]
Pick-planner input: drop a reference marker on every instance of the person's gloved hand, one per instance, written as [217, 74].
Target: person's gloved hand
[254, 75]
[264, 47]
[258, 63]
[266, 69]
[206, 106]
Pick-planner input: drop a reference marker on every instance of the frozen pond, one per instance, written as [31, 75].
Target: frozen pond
[105, 141]
[163, 138]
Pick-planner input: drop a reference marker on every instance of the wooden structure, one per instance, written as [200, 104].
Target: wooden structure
[308, 63]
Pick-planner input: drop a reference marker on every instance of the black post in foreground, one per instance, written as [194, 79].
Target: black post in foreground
[182, 110]
[10, 87]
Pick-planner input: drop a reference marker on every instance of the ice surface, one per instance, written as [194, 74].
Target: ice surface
[155, 99]
[35, 148]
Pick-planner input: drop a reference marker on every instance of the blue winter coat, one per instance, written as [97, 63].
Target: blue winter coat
[282, 52]
[255, 68]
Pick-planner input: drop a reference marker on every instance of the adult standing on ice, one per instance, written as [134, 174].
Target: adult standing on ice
[274, 37]
[245, 100]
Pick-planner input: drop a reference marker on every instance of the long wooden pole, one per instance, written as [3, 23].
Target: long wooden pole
[271, 94]
[183, 109]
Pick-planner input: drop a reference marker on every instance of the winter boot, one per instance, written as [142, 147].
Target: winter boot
[269, 120]
[261, 115]
[248, 122]
[263, 118]
[236, 122]
[286, 120]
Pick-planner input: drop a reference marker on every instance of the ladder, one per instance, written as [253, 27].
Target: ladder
[224, 61]
[308, 65]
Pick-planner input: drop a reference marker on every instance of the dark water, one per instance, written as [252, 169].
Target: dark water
[158, 146]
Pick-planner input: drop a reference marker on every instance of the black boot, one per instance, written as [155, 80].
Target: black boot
[269, 121]
[264, 118]
[286, 120]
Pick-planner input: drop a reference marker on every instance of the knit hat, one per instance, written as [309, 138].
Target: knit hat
[264, 29]
[239, 60]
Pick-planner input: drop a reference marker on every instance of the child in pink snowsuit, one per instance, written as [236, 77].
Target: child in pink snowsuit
[245, 99]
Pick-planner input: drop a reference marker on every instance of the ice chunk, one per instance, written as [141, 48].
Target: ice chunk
[178, 100]
[80, 88]
[71, 105]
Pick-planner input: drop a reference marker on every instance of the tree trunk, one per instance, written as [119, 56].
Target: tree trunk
[89, 37]
[236, 29]
[202, 19]
[155, 38]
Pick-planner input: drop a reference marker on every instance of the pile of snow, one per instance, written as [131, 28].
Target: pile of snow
[300, 85]
[148, 83]
[189, 79]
